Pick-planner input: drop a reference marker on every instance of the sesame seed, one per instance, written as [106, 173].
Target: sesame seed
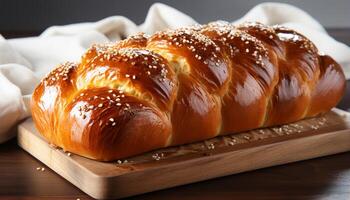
[111, 119]
[100, 105]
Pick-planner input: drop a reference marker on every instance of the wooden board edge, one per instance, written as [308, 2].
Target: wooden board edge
[90, 184]
[118, 187]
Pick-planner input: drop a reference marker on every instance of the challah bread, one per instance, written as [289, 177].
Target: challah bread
[181, 86]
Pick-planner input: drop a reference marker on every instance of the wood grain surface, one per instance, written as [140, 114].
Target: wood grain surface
[324, 135]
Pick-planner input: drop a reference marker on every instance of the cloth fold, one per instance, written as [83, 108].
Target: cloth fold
[24, 61]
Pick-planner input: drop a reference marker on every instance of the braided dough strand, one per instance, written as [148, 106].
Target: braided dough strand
[181, 86]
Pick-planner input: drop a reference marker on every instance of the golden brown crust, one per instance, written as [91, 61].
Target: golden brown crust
[108, 123]
[181, 86]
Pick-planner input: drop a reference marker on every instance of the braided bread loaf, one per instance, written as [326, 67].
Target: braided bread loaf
[184, 85]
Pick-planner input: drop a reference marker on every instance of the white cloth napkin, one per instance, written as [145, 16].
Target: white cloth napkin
[24, 61]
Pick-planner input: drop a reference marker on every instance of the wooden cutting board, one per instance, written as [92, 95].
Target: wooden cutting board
[221, 156]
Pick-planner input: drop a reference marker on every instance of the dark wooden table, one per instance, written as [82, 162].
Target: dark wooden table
[321, 178]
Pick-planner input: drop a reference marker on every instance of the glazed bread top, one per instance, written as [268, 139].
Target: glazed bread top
[181, 86]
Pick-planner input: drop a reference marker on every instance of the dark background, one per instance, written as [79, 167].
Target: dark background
[36, 15]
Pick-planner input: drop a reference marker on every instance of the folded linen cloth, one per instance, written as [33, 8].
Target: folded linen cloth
[24, 61]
